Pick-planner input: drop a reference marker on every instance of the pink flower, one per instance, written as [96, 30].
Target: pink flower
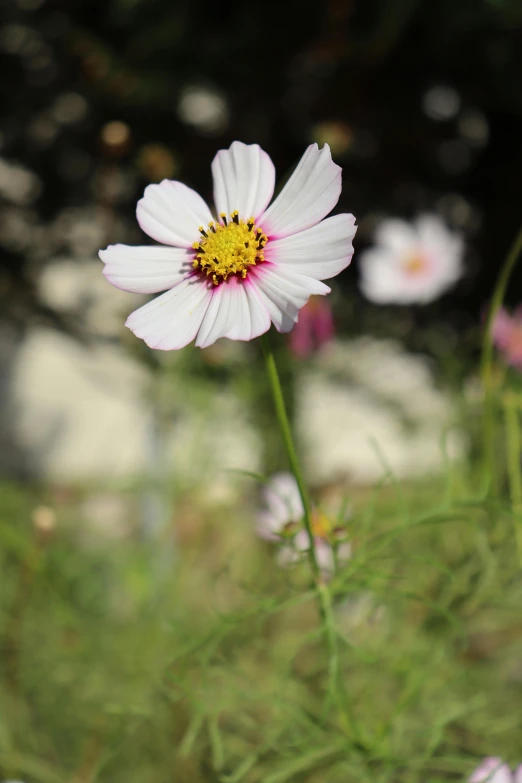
[254, 265]
[282, 521]
[507, 336]
[494, 770]
[411, 262]
[314, 328]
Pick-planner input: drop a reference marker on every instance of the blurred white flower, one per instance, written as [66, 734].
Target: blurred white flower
[411, 262]
[494, 770]
[367, 406]
[282, 521]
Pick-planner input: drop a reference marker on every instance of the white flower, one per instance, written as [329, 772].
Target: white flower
[233, 276]
[282, 521]
[494, 770]
[411, 262]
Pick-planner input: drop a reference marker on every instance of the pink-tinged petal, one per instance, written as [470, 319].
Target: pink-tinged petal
[320, 252]
[436, 238]
[145, 270]
[492, 770]
[503, 329]
[244, 179]
[171, 213]
[284, 292]
[323, 551]
[518, 774]
[281, 495]
[324, 555]
[267, 526]
[397, 235]
[310, 194]
[314, 328]
[172, 320]
[236, 311]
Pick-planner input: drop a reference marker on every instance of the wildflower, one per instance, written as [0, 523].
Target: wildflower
[282, 521]
[411, 262]
[507, 336]
[314, 329]
[234, 275]
[494, 770]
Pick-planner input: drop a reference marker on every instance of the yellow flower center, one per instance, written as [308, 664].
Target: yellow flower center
[415, 264]
[321, 525]
[229, 248]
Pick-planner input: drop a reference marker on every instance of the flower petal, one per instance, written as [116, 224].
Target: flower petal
[310, 194]
[244, 178]
[236, 311]
[172, 320]
[145, 270]
[492, 770]
[320, 252]
[284, 292]
[171, 213]
[267, 526]
[397, 235]
[281, 495]
[323, 550]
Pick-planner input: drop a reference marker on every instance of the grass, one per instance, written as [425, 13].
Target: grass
[125, 660]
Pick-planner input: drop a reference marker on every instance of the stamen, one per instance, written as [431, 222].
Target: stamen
[227, 248]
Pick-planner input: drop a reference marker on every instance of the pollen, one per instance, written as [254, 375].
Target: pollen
[229, 246]
[321, 525]
[415, 264]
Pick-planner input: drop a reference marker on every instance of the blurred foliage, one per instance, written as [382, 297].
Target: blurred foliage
[122, 661]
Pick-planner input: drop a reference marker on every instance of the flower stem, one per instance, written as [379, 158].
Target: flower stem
[487, 355]
[513, 454]
[286, 433]
[336, 690]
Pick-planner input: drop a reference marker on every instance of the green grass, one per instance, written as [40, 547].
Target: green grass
[122, 661]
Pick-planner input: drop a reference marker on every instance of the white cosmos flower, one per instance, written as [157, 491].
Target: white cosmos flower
[252, 266]
[411, 262]
[282, 521]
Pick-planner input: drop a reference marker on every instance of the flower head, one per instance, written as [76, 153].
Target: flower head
[411, 262]
[314, 329]
[507, 336]
[494, 770]
[282, 521]
[252, 265]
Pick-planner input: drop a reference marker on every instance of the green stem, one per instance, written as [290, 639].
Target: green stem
[336, 689]
[513, 453]
[286, 433]
[487, 355]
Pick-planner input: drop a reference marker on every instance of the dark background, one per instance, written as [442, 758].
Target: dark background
[356, 74]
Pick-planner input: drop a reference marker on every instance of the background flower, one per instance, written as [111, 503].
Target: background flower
[282, 521]
[314, 328]
[494, 770]
[411, 262]
[507, 336]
